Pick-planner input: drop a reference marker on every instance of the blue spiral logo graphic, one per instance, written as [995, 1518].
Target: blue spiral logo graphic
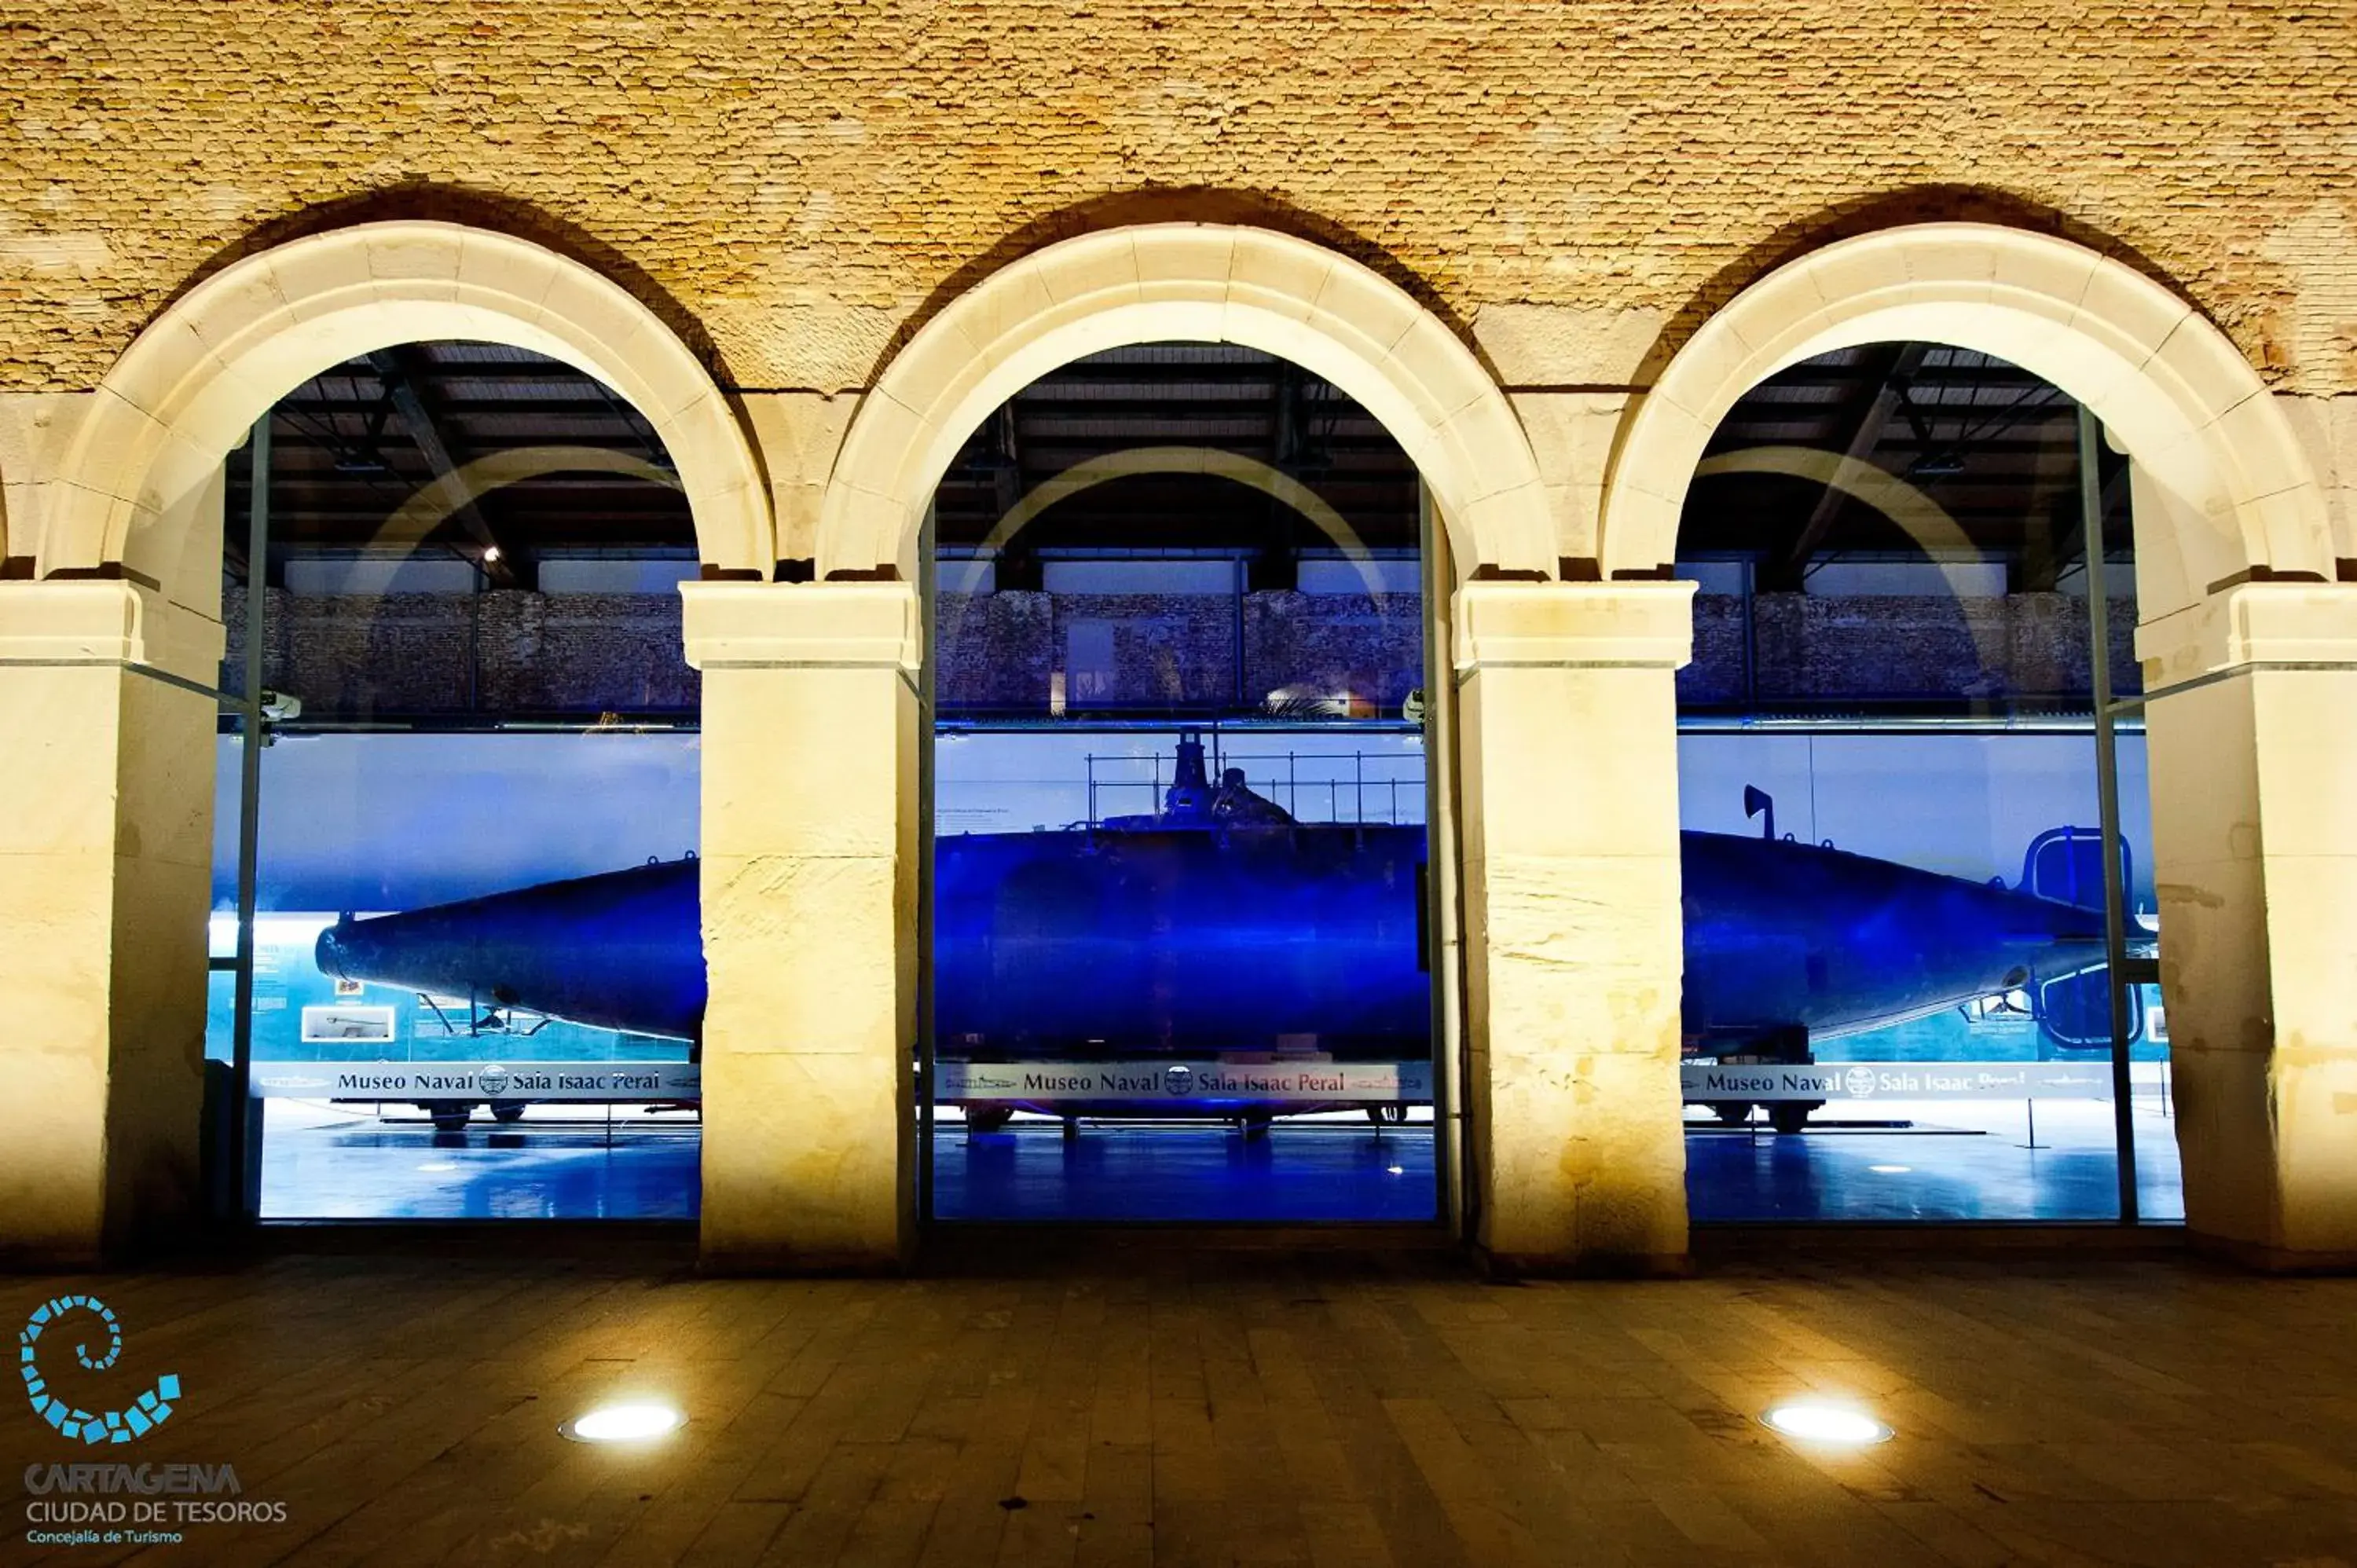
[149, 1411]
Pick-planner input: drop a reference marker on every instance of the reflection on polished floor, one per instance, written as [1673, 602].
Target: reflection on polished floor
[560, 1162]
[1927, 1161]
[580, 1162]
[1301, 1169]
[1152, 1406]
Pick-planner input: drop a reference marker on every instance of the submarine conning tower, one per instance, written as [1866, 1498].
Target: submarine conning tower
[1193, 802]
[1190, 795]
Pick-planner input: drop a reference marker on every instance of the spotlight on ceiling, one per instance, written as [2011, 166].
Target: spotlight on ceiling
[1819, 1420]
[1891, 1170]
[491, 553]
[639, 1421]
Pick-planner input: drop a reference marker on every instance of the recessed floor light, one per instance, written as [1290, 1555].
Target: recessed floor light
[1814, 1421]
[437, 1167]
[638, 1422]
[1891, 1170]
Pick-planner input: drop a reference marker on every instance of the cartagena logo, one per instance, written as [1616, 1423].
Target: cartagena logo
[148, 1412]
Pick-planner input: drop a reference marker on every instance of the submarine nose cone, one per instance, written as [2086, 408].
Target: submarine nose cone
[339, 952]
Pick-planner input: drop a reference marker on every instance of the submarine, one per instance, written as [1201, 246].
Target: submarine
[1220, 927]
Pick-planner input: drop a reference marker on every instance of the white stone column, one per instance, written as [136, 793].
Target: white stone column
[810, 880]
[1573, 940]
[106, 803]
[2252, 746]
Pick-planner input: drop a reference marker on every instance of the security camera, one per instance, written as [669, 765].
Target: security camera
[280, 706]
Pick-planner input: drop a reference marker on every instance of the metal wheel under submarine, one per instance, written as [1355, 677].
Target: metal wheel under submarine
[1221, 930]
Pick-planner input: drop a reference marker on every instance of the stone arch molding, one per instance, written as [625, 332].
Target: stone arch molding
[189, 386]
[1199, 282]
[1216, 462]
[2222, 485]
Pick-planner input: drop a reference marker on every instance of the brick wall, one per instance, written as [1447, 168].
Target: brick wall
[455, 657]
[794, 183]
[1809, 648]
[999, 650]
[578, 655]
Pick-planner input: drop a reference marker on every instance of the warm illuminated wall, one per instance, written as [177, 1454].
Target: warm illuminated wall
[801, 179]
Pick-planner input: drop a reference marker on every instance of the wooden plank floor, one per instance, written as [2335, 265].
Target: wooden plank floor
[1184, 1407]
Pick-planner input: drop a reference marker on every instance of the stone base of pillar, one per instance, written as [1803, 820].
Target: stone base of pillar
[1592, 1265]
[2262, 1259]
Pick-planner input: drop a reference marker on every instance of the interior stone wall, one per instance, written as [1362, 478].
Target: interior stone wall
[1807, 647]
[496, 653]
[513, 652]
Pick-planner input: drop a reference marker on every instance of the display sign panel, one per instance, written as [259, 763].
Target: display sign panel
[1900, 1080]
[477, 1081]
[1182, 1083]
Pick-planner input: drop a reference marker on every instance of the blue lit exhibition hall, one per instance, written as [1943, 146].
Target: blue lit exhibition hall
[1188, 934]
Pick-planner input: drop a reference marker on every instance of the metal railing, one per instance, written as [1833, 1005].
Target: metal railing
[1312, 787]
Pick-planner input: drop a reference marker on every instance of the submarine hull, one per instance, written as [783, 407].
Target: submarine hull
[620, 951]
[1255, 942]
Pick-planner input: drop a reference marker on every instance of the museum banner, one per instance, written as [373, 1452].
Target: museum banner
[1898, 1080]
[591, 1081]
[1184, 1083]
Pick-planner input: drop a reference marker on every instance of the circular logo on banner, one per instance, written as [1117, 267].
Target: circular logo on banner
[1859, 1081]
[1178, 1079]
[494, 1078]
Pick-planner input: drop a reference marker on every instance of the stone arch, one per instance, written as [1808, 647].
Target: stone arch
[438, 497]
[188, 389]
[1941, 537]
[1201, 282]
[1213, 461]
[1912, 511]
[2223, 484]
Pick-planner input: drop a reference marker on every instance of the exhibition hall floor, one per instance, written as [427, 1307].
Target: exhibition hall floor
[1981, 1160]
[1155, 1405]
[560, 1162]
[1301, 1169]
[582, 1163]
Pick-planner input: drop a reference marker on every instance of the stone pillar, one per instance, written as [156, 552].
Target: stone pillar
[106, 805]
[810, 880]
[1573, 952]
[2252, 745]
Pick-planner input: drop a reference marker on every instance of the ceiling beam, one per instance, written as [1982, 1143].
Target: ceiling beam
[1891, 371]
[404, 371]
[2067, 552]
[1009, 480]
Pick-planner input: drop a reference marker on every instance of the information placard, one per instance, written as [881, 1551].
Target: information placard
[1900, 1080]
[1183, 1082]
[477, 1081]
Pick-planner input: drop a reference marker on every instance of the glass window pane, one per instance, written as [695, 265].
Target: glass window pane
[477, 974]
[1898, 1001]
[1180, 868]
